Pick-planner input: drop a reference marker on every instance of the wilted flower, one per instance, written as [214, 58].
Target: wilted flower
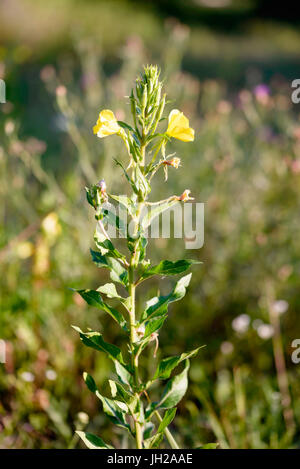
[185, 196]
[179, 127]
[175, 162]
[106, 124]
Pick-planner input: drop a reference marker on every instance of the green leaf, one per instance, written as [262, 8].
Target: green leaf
[112, 219]
[175, 389]
[125, 126]
[141, 182]
[93, 298]
[109, 289]
[154, 441]
[167, 365]
[124, 376]
[156, 210]
[208, 446]
[118, 392]
[148, 429]
[117, 272]
[154, 325]
[157, 306]
[95, 341]
[126, 202]
[173, 392]
[106, 246]
[168, 418]
[115, 410]
[131, 182]
[169, 268]
[93, 441]
[90, 382]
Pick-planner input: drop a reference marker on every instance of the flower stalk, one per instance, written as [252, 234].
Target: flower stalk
[140, 327]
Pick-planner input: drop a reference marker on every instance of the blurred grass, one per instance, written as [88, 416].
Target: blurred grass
[245, 166]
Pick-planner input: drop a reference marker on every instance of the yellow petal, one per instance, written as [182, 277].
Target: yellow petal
[179, 127]
[106, 124]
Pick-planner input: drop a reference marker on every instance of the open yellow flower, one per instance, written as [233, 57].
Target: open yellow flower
[179, 127]
[106, 124]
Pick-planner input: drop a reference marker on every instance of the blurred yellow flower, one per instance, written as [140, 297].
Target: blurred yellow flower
[179, 127]
[106, 124]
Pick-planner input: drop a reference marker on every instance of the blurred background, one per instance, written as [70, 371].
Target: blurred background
[228, 65]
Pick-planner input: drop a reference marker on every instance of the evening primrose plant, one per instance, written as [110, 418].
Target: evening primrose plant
[130, 406]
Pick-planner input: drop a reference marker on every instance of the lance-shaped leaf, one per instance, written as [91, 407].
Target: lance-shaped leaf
[126, 202]
[156, 210]
[115, 410]
[154, 324]
[141, 182]
[95, 341]
[168, 268]
[158, 306]
[110, 218]
[117, 272]
[131, 182]
[93, 441]
[167, 365]
[93, 298]
[106, 246]
[168, 418]
[173, 392]
[123, 374]
[109, 289]
[154, 441]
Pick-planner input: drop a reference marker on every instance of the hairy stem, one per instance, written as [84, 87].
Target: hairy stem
[134, 358]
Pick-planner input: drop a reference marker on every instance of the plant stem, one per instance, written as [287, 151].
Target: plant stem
[167, 432]
[134, 359]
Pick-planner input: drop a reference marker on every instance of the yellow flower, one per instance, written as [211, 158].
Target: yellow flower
[179, 127]
[106, 124]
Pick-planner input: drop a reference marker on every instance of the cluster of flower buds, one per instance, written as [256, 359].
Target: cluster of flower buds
[148, 105]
